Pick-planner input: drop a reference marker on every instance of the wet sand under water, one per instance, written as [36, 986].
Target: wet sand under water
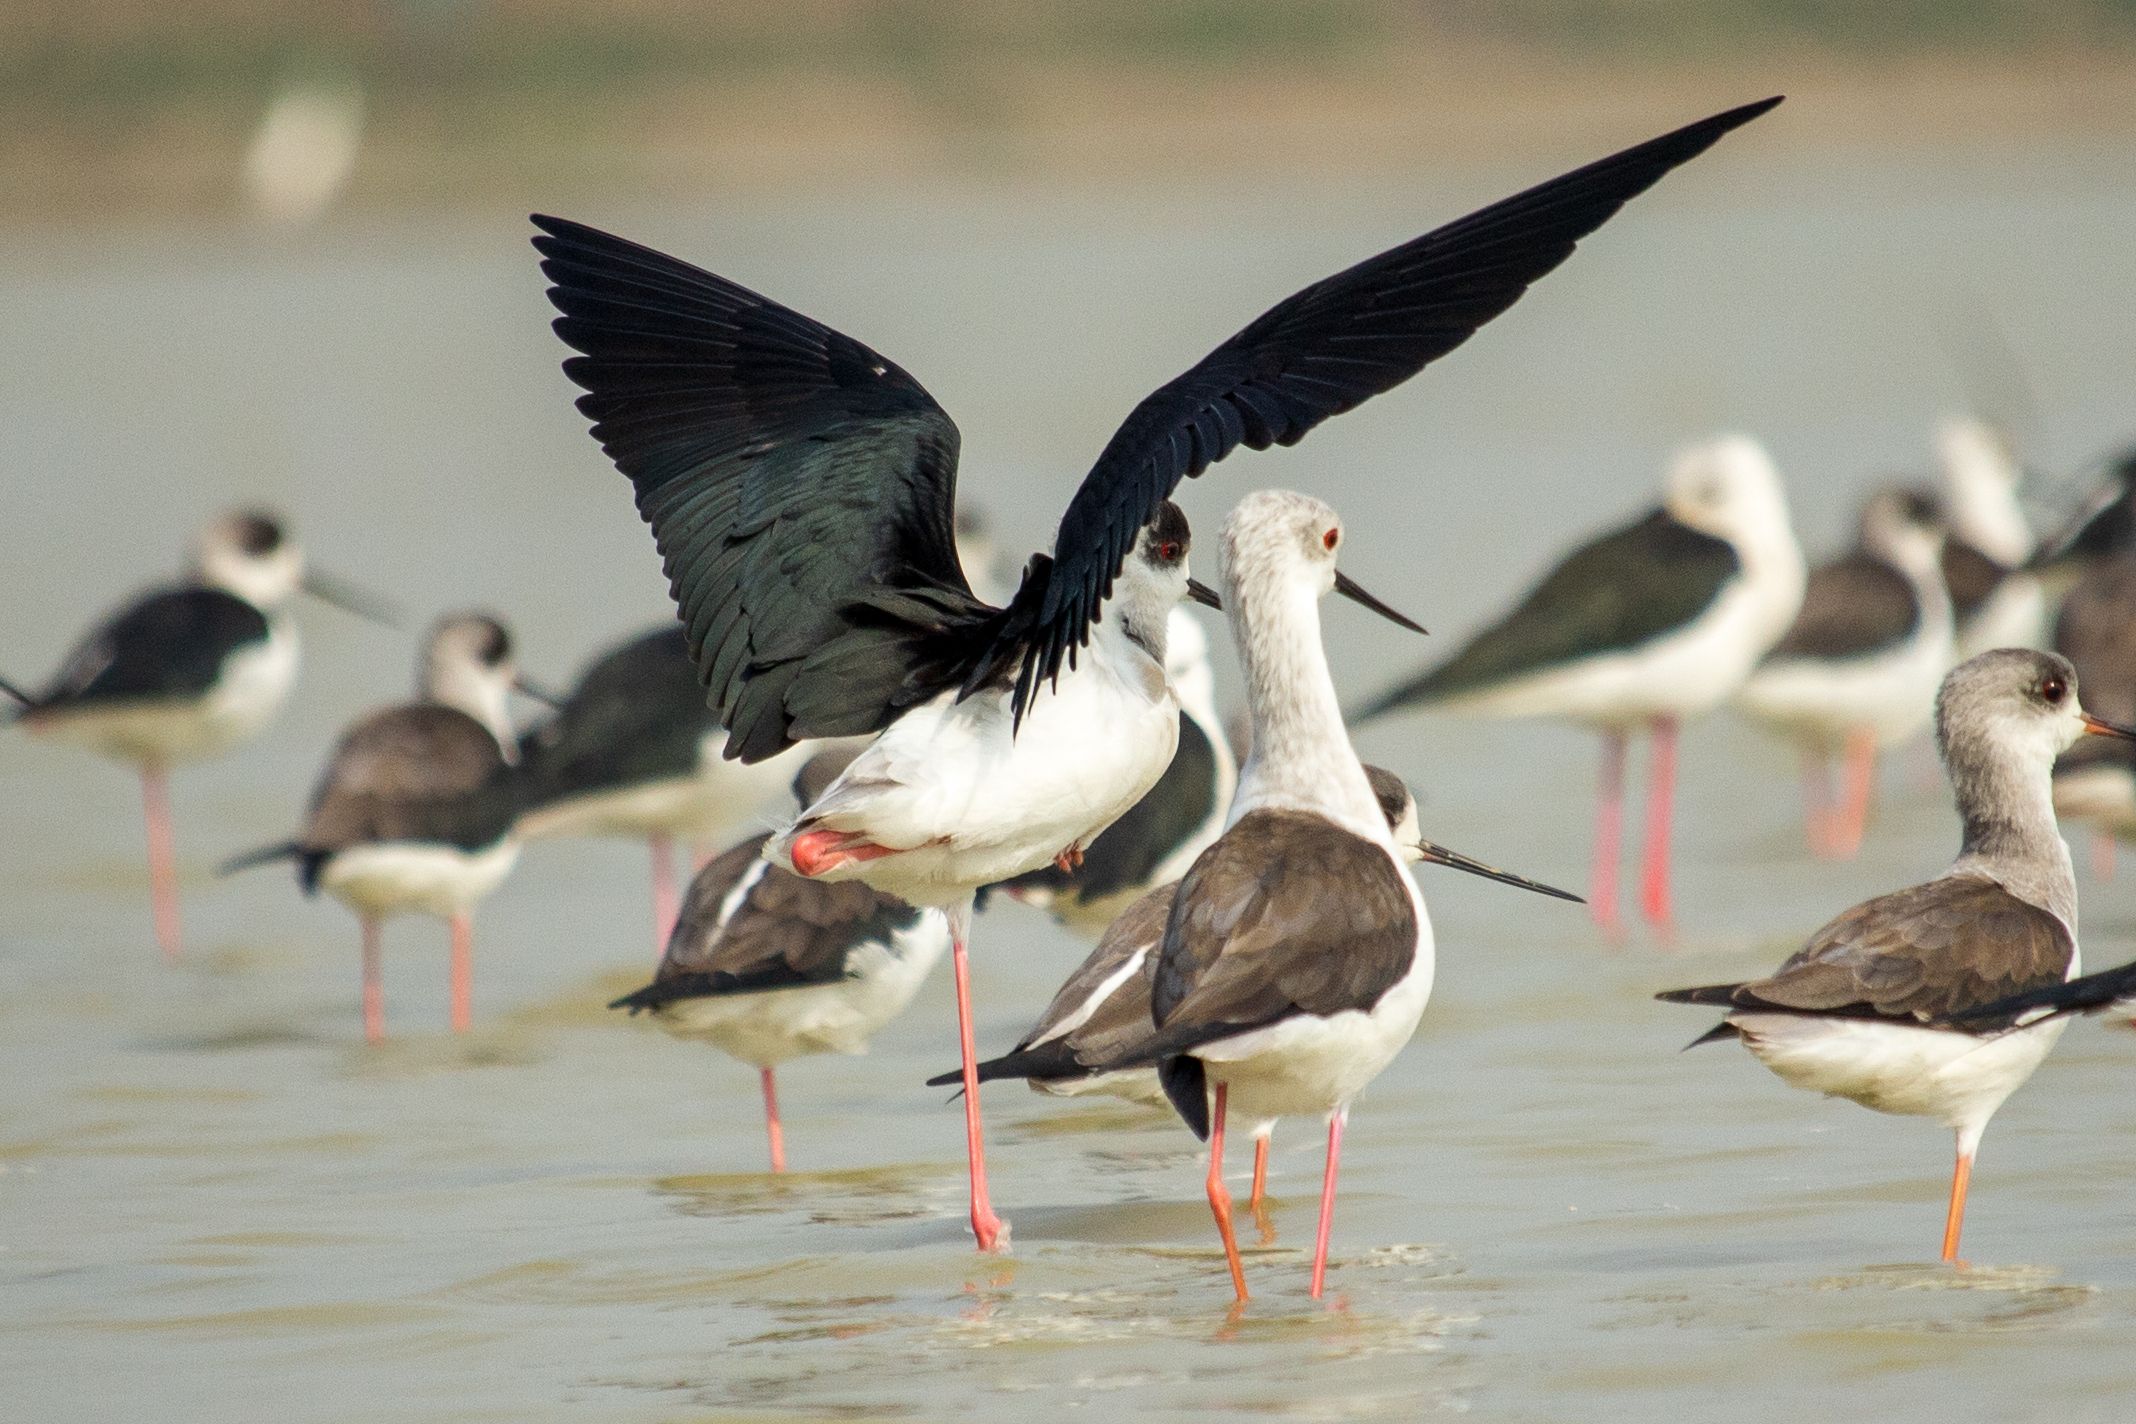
[216, 1204]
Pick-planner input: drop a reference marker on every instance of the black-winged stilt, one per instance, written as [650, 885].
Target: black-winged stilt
[801, 489]
[1858, 670]
[1101, 1013]
[1874, 1007]
[415, 809]
[187, 672]
[767, 965]
[1651, 624]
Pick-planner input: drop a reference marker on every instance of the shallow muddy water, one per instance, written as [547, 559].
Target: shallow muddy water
[215, 1203]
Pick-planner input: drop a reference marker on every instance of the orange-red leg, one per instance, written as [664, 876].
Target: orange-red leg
[1609, 836]
[989, 1230]
[1852, 822]
[1954, 1220]
[2102, 849]
[1220, 1198]
[772, 1130]
[667, 902]
[162, 859]
[463, 972]
[1336, 1122]
[1654, 894]
[374, 982]
[1258, 1202]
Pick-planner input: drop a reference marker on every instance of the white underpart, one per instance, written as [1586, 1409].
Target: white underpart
[1958, 1079]
[1729, 489]
[1889, 693]
[393, 877]
[968, 800]
[765, 1029]
[1302, 760]
[253, 685]
[709, 807]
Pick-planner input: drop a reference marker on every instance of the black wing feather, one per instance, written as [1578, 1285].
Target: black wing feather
[801, 489]
[169, 643]
[1316, 354]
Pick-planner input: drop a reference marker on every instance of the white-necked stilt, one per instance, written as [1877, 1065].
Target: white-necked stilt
[415, 809]
[1870, 1009]
[1858, 670]
[186, 672]
[1176, 820]
[1102, 1012]
[634, 751]
[1648, 625]
[1297, 956]
[2095, 780]
[801, 488]
[767, 965]
[1997, 601]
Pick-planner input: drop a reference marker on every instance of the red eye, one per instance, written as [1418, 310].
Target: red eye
[1169, 551]
[2054, 690]
[1330, 539]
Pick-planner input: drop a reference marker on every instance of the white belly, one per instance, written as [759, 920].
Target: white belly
[1308, 1064]
[255, 683]
[765, 1029]
[1679, 674]
[1891, 695]
[383, 880]
[967, 804]
[1955, 1078]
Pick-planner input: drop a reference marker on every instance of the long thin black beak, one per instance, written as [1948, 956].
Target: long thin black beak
[1349, 588]
[535, 690]
[349, 598]
[1203, 594]
[1439, 855]
[2100, 727]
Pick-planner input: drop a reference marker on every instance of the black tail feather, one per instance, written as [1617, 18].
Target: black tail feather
[309, 862]
[1719, 1033]
[1047, 1062]
[1722, 994]
[9, 689]
[1186, 1083]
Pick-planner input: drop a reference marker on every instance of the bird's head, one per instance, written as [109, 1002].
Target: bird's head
[1729, 488]
[1280, 544]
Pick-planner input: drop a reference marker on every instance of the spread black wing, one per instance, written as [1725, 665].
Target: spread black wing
[800, 487]
[1316, 354]
[170, 643]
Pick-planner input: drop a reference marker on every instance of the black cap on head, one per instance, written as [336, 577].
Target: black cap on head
[1168, 530]
[258, 533]
[1391, 793]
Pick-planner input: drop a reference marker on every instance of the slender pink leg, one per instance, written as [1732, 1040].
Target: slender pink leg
[1853, 818]
[162, 859]
[1954, 1220]
[463, 972]
[1660, 813]
[772, 1130]
[1220, 1196]
[1816, 801]
[989, 1230]
[666, 902]
[1327, 1199]
[1609, 835]
[1258, 1202]
[2102, 849]
[374, 983]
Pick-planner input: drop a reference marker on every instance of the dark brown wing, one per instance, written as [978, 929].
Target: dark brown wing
[1853, 606]
[1925, 955]
[1971, 576]
[1286, 914]
[418, 772]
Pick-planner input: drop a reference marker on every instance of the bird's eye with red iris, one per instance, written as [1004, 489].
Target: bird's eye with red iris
[1169, 551]
[1330, 539]
[2054, 689]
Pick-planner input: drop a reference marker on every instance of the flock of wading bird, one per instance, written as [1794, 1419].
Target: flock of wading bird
[1262, 951]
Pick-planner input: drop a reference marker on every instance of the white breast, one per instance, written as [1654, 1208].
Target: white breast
[440, 880]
